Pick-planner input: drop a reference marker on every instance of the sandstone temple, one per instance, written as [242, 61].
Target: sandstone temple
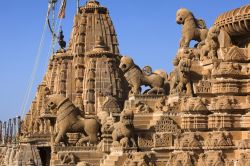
[90, 109]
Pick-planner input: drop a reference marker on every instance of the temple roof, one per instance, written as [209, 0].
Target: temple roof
[93, 33]
[91, 22]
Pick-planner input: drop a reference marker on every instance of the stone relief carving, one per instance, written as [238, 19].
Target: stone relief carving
[223, 103]
[139, 159]
[163, 140]
[203, 87]
[142, 107]
[110, 105]
[68, 158]
[192, 29]
[190, 140]
[226, 69]
[244, 159]
[146, 140]
[161, 105]
[213, 158]
[181, 158]
[136, 77]
[218, 140]
[244, 144]
[165, 124]
[195, 104]
[235, 54]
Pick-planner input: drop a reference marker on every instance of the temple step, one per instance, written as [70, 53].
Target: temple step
[114, 160]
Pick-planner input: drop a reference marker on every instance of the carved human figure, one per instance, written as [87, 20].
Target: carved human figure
[218, 161]
[161, 105]
[221, 141]
[193, 141]
[202, 160]
[142, 107]
[192, 29]
[68, 158]
[243, 160]
[208, 141]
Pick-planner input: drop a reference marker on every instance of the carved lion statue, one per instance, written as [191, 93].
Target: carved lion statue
[180, 78]
[192, 29]
[209, 47]
[157, 80]
[123, 133]
[69, 119]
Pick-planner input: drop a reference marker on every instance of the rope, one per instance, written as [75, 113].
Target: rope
[54, 36]
[38, 55]
[58, 25]
[34, 71]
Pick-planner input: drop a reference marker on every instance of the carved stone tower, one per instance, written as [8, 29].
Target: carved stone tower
[102, 77]
[85, 72]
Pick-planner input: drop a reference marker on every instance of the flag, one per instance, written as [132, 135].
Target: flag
[61, 13]
[49, 8]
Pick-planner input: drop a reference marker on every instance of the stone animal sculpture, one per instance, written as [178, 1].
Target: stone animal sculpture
[180, 78]
[123, 133]
[192, 29]
[157, 80]
[69, 119]
[209, 47]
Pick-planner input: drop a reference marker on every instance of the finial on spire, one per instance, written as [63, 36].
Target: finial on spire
[61, 41]
[93, 3]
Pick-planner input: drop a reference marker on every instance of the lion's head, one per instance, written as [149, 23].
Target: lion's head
[213, 33]
[127, 117]
[126, 63]
[184, 66]
[182, 14]
[52, 101]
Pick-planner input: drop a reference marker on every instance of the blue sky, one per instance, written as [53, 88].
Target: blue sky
[146, 31]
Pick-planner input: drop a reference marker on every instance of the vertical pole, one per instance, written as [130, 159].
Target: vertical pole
[78, 5]
[10, 131]
[19, 125]
[1, 132]
[5, 131]
[14, 130]
[53, 27]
